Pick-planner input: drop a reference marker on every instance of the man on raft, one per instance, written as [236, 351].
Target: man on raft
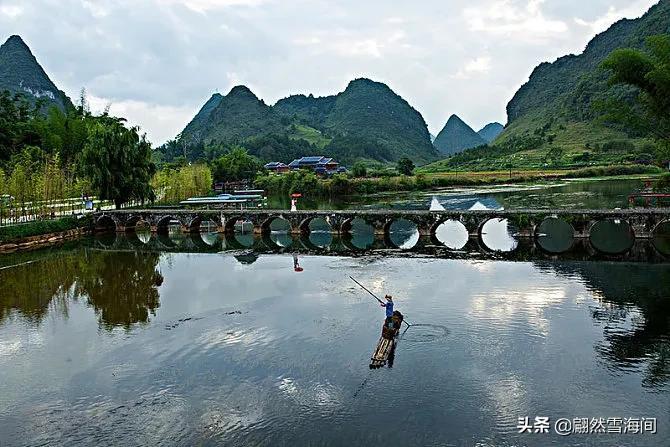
[393, 319]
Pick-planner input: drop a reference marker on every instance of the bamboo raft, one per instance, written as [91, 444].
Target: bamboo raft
[385, 350]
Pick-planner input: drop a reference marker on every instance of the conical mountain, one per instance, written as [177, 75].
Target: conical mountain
[232, 118]
[370, 111]
[491, 131]
[21, 73]
[456, 136]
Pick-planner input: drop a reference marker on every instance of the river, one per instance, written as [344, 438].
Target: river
[122, 344]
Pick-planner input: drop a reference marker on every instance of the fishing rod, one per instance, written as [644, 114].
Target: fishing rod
[376, 297]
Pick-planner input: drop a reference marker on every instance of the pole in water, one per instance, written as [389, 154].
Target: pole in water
[377, 298]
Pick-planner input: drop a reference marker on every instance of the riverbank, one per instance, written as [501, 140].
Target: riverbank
[43, 233]
[309, 184]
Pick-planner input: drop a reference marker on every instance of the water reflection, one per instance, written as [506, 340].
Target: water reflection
[563, 194]
[122, 287]
[635, 315]
[261, 355]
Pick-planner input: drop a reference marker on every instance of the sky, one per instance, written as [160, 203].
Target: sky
[156, 62]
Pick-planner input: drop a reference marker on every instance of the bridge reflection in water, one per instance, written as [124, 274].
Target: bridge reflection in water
[498, 240]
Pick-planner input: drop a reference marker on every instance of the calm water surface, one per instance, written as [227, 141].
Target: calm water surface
[580, 194]
[136, 348]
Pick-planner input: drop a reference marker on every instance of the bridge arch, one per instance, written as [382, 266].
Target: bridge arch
[305, 225]
[404, 238]
[134, 221]
[665, 223]
[555, 235]
[347, 226]
[106, 224]
[620, 239]
[497, 238]
[194, 225]
[661, 237]
[163, 223]
[457, 233]
[267, 223]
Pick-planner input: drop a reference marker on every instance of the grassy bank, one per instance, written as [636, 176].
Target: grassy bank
[15, 233]
[310, 184]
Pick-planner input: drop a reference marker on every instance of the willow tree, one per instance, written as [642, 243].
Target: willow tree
[117, 161]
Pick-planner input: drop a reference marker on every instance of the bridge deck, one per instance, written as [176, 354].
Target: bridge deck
[394, 212]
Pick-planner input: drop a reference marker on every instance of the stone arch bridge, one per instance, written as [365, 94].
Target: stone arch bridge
[643, 222]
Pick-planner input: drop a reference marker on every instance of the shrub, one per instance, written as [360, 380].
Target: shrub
[16, 232]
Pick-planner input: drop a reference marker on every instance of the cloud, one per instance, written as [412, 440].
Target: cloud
[203, 6]
[157, 121]
[11, 11]
[479, 65]
[614, 14]
[508, 18]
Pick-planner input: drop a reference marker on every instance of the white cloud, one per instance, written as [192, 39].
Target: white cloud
[506, 17]
[202, 6]
[11, 11]
[159, 122]
[479, 65]
[614, 14]
[367, 47]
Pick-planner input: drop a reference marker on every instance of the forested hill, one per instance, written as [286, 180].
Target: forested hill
[561, 100]
[371, 111]
[232, 118]
[456, 136]
[308, 109]
[21, 73]
[366, 121]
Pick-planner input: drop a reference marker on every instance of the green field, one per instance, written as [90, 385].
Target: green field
[552, 147]
[309, 134]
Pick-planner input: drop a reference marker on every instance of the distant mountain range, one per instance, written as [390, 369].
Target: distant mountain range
[456, 136]
[491, 131]
[21, 73]
[365, 121]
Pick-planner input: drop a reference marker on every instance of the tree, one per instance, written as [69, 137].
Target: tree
[649, 73]
[236, 165]
[509, 166]
[359, 169]
[117, 160]
[405, 166]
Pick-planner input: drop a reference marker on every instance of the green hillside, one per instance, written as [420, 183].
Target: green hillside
[21, 73]
[456, 136]
[560, 96]
[557, 119]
